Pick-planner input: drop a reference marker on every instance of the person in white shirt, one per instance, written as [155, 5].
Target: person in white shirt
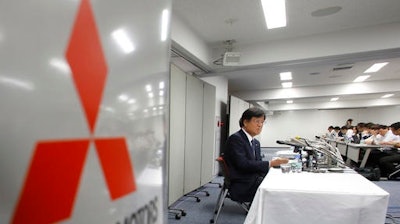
[329, 132]
[387, 163]
[335, 133]
[388, 138]
[375, 136]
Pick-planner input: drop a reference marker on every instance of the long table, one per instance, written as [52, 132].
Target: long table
[355, 152]
[328, 198]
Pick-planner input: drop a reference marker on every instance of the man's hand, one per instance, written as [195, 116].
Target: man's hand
[278, 161]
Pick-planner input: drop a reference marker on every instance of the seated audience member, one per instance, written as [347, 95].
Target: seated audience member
[342, 131]
[362, 131]
[355, 138]
[349, 123]
[375, 154]
[243, 157]
[388, 137]
[343, 134]
[387, 163]
[349, 132]
[329, 132]
[374, 135]
[335, 133]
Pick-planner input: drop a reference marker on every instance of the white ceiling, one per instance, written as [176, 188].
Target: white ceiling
[362, 32]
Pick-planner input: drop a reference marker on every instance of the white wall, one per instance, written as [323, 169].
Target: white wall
[308, 123]
[221, 85]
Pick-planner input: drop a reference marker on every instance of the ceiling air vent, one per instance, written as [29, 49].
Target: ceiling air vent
[342, 67]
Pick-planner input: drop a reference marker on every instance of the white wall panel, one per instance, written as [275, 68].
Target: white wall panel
[193, 133]
[236, 108]
[209, 124]
[176, 152]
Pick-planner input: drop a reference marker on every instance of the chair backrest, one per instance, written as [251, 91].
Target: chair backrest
[225, 169]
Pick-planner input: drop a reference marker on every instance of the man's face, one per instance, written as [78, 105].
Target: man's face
[254, 126]
[383, 131]
[396, 132]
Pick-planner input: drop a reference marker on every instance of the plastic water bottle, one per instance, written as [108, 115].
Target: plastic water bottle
[298, 163]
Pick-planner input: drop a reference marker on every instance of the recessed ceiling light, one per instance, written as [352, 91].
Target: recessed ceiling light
[289, 101]
[334, 98]
[274, 13]
[287, 84]
[148, 88]
[123, 97]
[387, 95]
[164, 24]
[361, 78]
[326, 11]
[285, 76]
[375, 67]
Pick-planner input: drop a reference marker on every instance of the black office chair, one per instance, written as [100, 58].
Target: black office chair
[224, 193]
[395, 174]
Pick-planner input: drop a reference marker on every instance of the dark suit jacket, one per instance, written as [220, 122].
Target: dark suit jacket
[246, 171]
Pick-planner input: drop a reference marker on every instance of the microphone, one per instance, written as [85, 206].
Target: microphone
[288, 143]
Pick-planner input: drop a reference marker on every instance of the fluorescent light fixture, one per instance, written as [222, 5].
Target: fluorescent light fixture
[287, 84]
[387, 95]
[285, 76]
[150, 94]
[148, 88]
[289, 101]
[164, 24]
[375, 67]
[161, 85]
[131, 101]
[274, 13]
[122, 39]
[161, 93]
[334, 98]
[361, 78]
[123, 97]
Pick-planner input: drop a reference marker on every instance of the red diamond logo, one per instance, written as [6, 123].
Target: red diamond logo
[53, 178]
[88, 66]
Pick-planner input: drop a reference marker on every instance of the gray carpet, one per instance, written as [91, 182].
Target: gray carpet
[201, 212]
[393, 187]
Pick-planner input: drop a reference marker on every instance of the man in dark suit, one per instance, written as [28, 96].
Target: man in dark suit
[243, 157]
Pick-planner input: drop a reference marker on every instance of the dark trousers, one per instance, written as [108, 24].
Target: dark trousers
[387, 164]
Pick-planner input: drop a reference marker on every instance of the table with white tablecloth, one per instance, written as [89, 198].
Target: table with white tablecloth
[328, 198]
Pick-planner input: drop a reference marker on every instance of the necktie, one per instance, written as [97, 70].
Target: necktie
[253, 146]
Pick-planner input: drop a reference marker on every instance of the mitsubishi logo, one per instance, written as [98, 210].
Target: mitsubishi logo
[54, 174]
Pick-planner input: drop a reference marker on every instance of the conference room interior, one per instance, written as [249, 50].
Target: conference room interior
[324, 48]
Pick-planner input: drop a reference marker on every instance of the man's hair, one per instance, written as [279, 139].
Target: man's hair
[375, 127]
[250, 113]
[383, 126]
[395, 126]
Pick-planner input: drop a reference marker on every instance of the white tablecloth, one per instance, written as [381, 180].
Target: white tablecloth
[320, 198]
